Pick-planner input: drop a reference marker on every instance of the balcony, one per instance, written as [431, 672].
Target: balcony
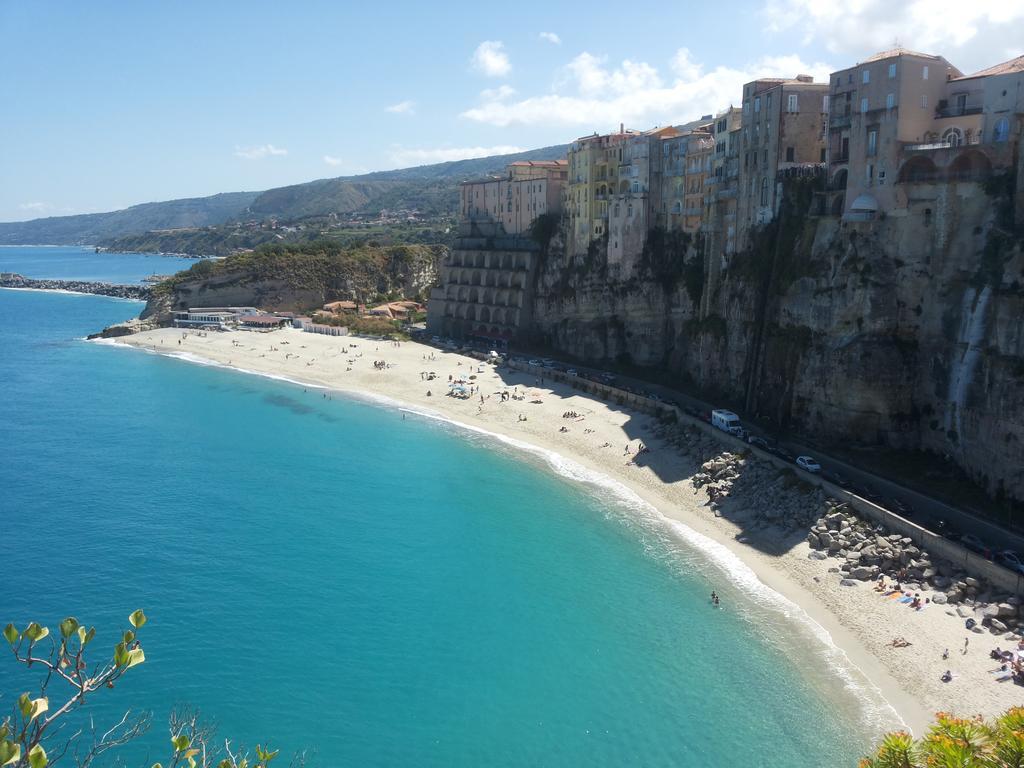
[836, 122]
[839, 157]
[959, 110]
[727, 194]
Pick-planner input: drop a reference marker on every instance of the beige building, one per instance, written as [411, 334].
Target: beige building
[685, 163]
[783, 126]
[889, 101]
[903, 122]
[528, 189]
[633, 206]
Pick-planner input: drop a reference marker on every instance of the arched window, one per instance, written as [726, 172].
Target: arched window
[616, 209]
[953, 136]
[1002, 130]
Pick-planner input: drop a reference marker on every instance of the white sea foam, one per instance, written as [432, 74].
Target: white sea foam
[878, 713]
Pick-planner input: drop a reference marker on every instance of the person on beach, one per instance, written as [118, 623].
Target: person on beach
[946, 676]
[945, 654]
[967, 641]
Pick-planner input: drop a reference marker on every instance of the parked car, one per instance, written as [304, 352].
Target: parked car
[808, 464]
[783, 454]
[975, 544]
[534, 363]
[1010, 559]
[758, 442]
[572, 372]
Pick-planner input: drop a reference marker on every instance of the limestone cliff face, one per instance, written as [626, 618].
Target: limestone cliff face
[294, 280]
[906, 332]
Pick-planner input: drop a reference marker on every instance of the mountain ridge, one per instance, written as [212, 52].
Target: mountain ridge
[431, 188]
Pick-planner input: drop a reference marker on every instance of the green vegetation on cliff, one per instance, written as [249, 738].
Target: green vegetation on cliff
[302, 277]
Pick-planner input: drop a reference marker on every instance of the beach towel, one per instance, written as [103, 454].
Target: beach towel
[906, 599]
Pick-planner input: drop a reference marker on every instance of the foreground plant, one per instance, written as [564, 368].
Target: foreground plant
[31, 736]
[956, 742]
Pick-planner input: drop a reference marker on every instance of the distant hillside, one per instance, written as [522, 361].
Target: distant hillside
[431, 189]
[89, 228]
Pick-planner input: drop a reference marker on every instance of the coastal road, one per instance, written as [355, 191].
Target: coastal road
[929, 513]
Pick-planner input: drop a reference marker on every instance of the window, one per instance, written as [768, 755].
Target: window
[953, 136]
[824, 103]
[790, 153]
[765, 157]
[822, 155]
[629, 211]
[924, 72]
[872, 143]
[792, 103]
[1002, 130]
[617, 209]
[764, 191]
[757, 104]
[849, 78]
[890, 100]
[864, 104]
[924, 101]
[892, 71]
[768, 105]
[865, 76]
[869, 173]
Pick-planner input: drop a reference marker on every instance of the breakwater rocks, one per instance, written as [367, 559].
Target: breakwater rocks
[127, 328]
[778, 511]
[14, 280]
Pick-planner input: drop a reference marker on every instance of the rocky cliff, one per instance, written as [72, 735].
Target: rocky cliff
[300, 278]
[905, 332]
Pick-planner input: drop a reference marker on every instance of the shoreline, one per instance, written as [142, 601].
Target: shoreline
[850, 624]
[66, 292]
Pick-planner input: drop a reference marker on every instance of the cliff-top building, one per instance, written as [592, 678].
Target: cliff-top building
[783, 126]
[528, 189]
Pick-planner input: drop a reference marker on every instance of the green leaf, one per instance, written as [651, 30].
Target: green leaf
[25, 705]
[120, 655]
[4, 731]
[10, 752]
[89, 636]
[137, 619]
[135, 657]
[180, 742]
[129, 637]
[37, 757]
[11, 634]
[68, 627]
[35, 633]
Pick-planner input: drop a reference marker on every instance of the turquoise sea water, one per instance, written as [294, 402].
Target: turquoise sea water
[325, 574]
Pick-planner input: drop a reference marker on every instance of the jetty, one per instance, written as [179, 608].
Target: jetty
[14, 280]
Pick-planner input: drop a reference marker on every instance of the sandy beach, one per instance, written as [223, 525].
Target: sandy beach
[859, 620]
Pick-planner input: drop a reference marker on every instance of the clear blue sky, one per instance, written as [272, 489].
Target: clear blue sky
[106, 104]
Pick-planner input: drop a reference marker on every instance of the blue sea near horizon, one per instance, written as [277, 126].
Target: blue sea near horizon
[380, 589]
[78, 262]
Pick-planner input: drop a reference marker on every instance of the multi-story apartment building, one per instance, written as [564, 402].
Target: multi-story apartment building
[720, 188]
[783, 126]
[528, 189]
[593, 177]
[685, 163]
[901, 119]
[633, 205]
[878, 106]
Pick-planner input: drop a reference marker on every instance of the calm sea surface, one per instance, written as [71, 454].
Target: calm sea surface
[323, 574]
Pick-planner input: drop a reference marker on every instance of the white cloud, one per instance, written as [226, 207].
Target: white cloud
[258, 153]
[404, 156]
[34, 207]
[551, 37]
[331, 160]
[490, 59]
[589, 93]
[407, 107]
[968, 34]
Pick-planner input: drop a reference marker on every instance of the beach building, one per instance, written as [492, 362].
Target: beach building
[323, 329]
[211, 317]
[338, 307]
[783, 126]
[262, 322]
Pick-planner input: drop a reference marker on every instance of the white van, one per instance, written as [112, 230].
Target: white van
[727, 421]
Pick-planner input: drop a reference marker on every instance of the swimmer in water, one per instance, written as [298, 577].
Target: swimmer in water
[714, 598]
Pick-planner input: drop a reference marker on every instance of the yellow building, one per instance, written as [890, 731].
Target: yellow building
[593, 178]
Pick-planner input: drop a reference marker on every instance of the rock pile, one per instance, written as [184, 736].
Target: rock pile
[867, 552]
[14, 280]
